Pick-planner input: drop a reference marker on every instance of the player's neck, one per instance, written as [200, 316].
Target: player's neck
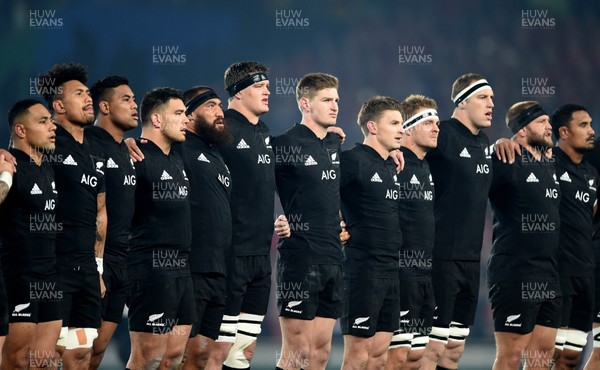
[107, 125]
[575, 156]
[251, 117]
[319, 130]
[157, 138]
[416, 149]
[72, 128]
[32, 151]
[465, 121]
[374, 143]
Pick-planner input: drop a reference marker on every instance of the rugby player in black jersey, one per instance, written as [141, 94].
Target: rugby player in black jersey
[81, 209]
[309, 269]
[417, 222]
[161, 308]
[116, 112]
[369, 199]
[593, 157]
[249, 157]
[210, 188]
[572, 128]
[460, 166]
[28, 232]
[523, 267]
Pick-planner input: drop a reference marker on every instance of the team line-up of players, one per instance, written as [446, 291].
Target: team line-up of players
[385, 236]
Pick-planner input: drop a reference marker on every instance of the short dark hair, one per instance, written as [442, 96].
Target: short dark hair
[463, 82]
[372, 109]
[56, 76]
[156, 99]
[19, 109]
[312, 83]
[563, 115]
[103, 88]
[192, 92]
[239, 70]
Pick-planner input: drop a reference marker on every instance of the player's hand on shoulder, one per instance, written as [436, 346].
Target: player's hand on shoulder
[338, 131]
[506, 149]
[398, 158]
[134, 150]
[282, 227]
[6, 164]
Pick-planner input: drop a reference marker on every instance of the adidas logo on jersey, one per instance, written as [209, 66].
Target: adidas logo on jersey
[376, 178]
[111, 164]
[242, 145]
[310, 161]
[69, 161]
[465, 153]
[532, 178]
[414, 180]
[35, 190]
[165, 176]
[565, 177]
[202, 158]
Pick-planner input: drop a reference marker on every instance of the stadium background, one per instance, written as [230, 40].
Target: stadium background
[528, 50]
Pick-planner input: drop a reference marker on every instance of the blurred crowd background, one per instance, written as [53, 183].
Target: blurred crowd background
[544, 50]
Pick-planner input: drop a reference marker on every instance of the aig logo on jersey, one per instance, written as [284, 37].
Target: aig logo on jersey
[224, 180]
[89, 180]
[328, 175]
[391, 194]
[264, 159]
[482, 168]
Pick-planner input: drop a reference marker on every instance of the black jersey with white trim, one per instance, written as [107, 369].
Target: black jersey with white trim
[369, 198]
[461, 169]
[210, 189]
[578, 184]
[525, 200]
[79, 179]
[161, 230]
[28, 224]
[307, 174]
[119, 180]
[249, 158]
[417, 220]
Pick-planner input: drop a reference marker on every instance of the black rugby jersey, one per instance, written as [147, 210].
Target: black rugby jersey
[161, 230]
[249, 158]
[307, 174]
[417, 220]
[119, 180]
[578, 184]
[79, 179]
[525, 200]
[210, 188]
[369, 199]
[28, 223]
[461, 170]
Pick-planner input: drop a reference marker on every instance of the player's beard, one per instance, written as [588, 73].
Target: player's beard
[210, 132]
[539, 143]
